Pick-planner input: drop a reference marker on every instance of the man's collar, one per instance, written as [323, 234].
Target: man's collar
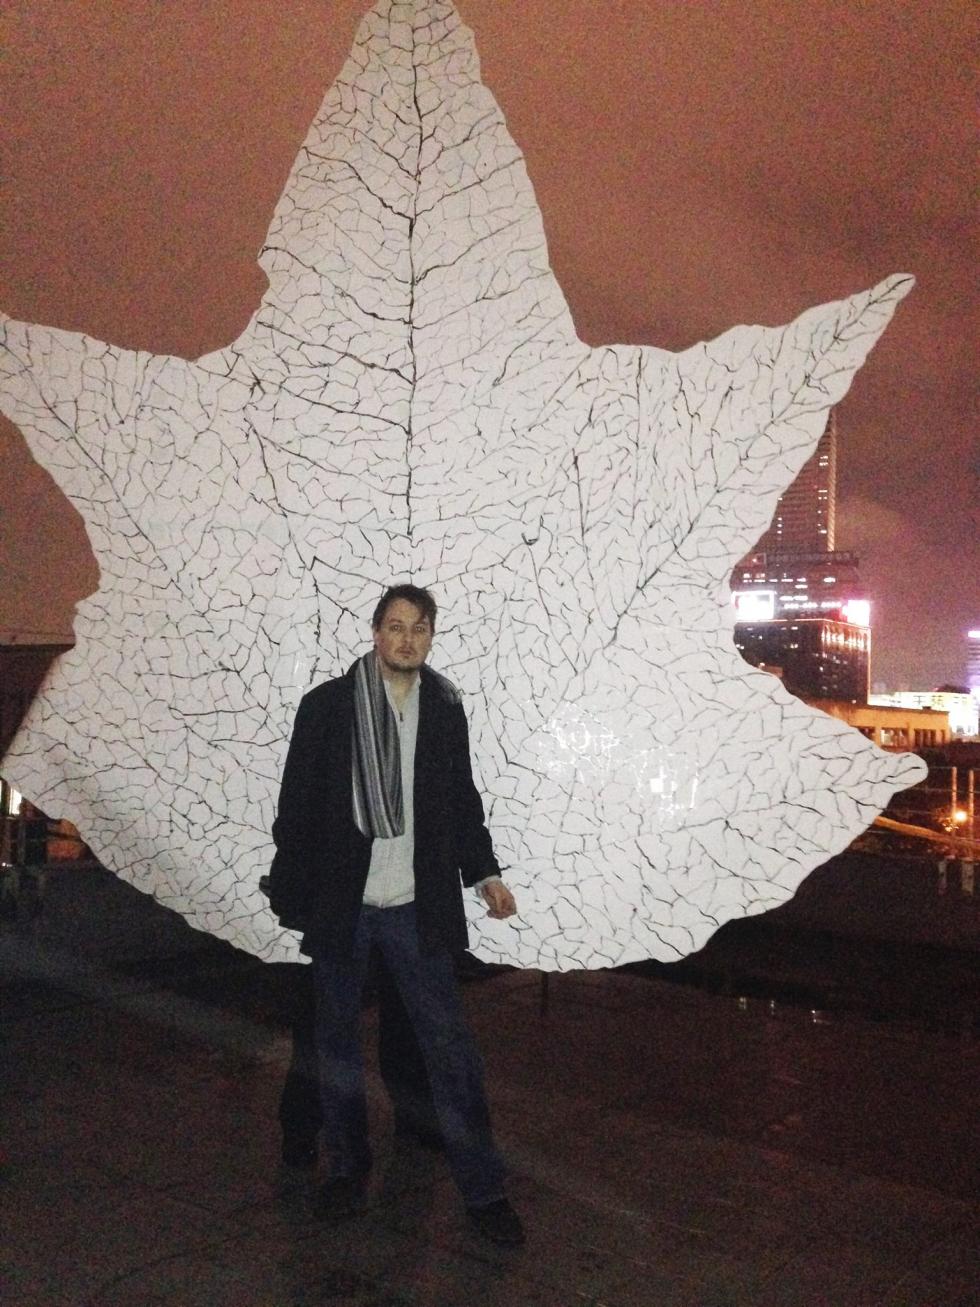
[388, 682]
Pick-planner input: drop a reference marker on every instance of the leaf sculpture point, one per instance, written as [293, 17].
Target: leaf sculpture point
[411, 400]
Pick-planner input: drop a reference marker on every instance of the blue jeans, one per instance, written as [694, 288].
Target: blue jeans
[426, 983]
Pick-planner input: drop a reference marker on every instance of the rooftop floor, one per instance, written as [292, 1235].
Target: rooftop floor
[668, 1146]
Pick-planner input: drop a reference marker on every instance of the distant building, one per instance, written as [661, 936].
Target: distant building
[973, 662]
[23, 668]
[774, 587]
[963, 709]
[892, 727]
[804, 521]
[800, 607]
[816, 658]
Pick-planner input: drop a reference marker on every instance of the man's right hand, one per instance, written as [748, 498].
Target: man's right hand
[499, 900]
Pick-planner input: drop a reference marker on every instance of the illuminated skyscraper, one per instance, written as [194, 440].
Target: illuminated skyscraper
[802, 610]
[804, 520]
[815, 658]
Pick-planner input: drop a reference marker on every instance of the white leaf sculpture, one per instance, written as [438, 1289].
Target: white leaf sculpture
[411, 401]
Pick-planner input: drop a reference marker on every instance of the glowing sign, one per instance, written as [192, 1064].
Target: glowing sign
[754, 605]
[857, 612]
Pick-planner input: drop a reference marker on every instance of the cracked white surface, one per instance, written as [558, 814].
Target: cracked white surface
[410, 401]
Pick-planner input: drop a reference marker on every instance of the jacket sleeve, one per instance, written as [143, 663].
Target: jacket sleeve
[474, 848]
[290, 881]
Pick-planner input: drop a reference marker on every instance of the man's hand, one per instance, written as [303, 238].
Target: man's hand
[499, 900]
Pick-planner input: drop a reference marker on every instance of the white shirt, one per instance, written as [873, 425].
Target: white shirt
[391, 874]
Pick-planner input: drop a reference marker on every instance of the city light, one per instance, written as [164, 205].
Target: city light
[857, 612]
[754, 605]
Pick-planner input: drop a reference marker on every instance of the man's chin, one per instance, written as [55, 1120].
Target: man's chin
[403, 664]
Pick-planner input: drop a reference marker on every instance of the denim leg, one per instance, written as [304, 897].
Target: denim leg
[401, 1062]
[339, 982]
[427, 985]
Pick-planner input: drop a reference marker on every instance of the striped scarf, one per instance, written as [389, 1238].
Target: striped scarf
[377, 762]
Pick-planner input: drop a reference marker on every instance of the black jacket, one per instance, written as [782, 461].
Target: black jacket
[317, 880]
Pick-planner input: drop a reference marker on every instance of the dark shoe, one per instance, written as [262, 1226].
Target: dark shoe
[498, 1222]
[425, 1136]
[298, 1152]
[340, 1198]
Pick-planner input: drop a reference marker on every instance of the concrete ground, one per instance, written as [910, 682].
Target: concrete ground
[668, 1146]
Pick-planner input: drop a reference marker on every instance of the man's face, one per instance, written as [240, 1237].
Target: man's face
[403, 639]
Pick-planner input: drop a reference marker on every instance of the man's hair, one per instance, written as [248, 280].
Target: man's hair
[421, 599]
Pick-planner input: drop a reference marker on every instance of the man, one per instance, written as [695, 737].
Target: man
[378, 822]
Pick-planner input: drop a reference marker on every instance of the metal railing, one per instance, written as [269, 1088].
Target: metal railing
[944, 804]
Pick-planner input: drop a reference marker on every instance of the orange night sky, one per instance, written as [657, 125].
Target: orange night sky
[697, 164]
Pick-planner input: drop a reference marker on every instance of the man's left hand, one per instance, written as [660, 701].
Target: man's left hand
[499, 900]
